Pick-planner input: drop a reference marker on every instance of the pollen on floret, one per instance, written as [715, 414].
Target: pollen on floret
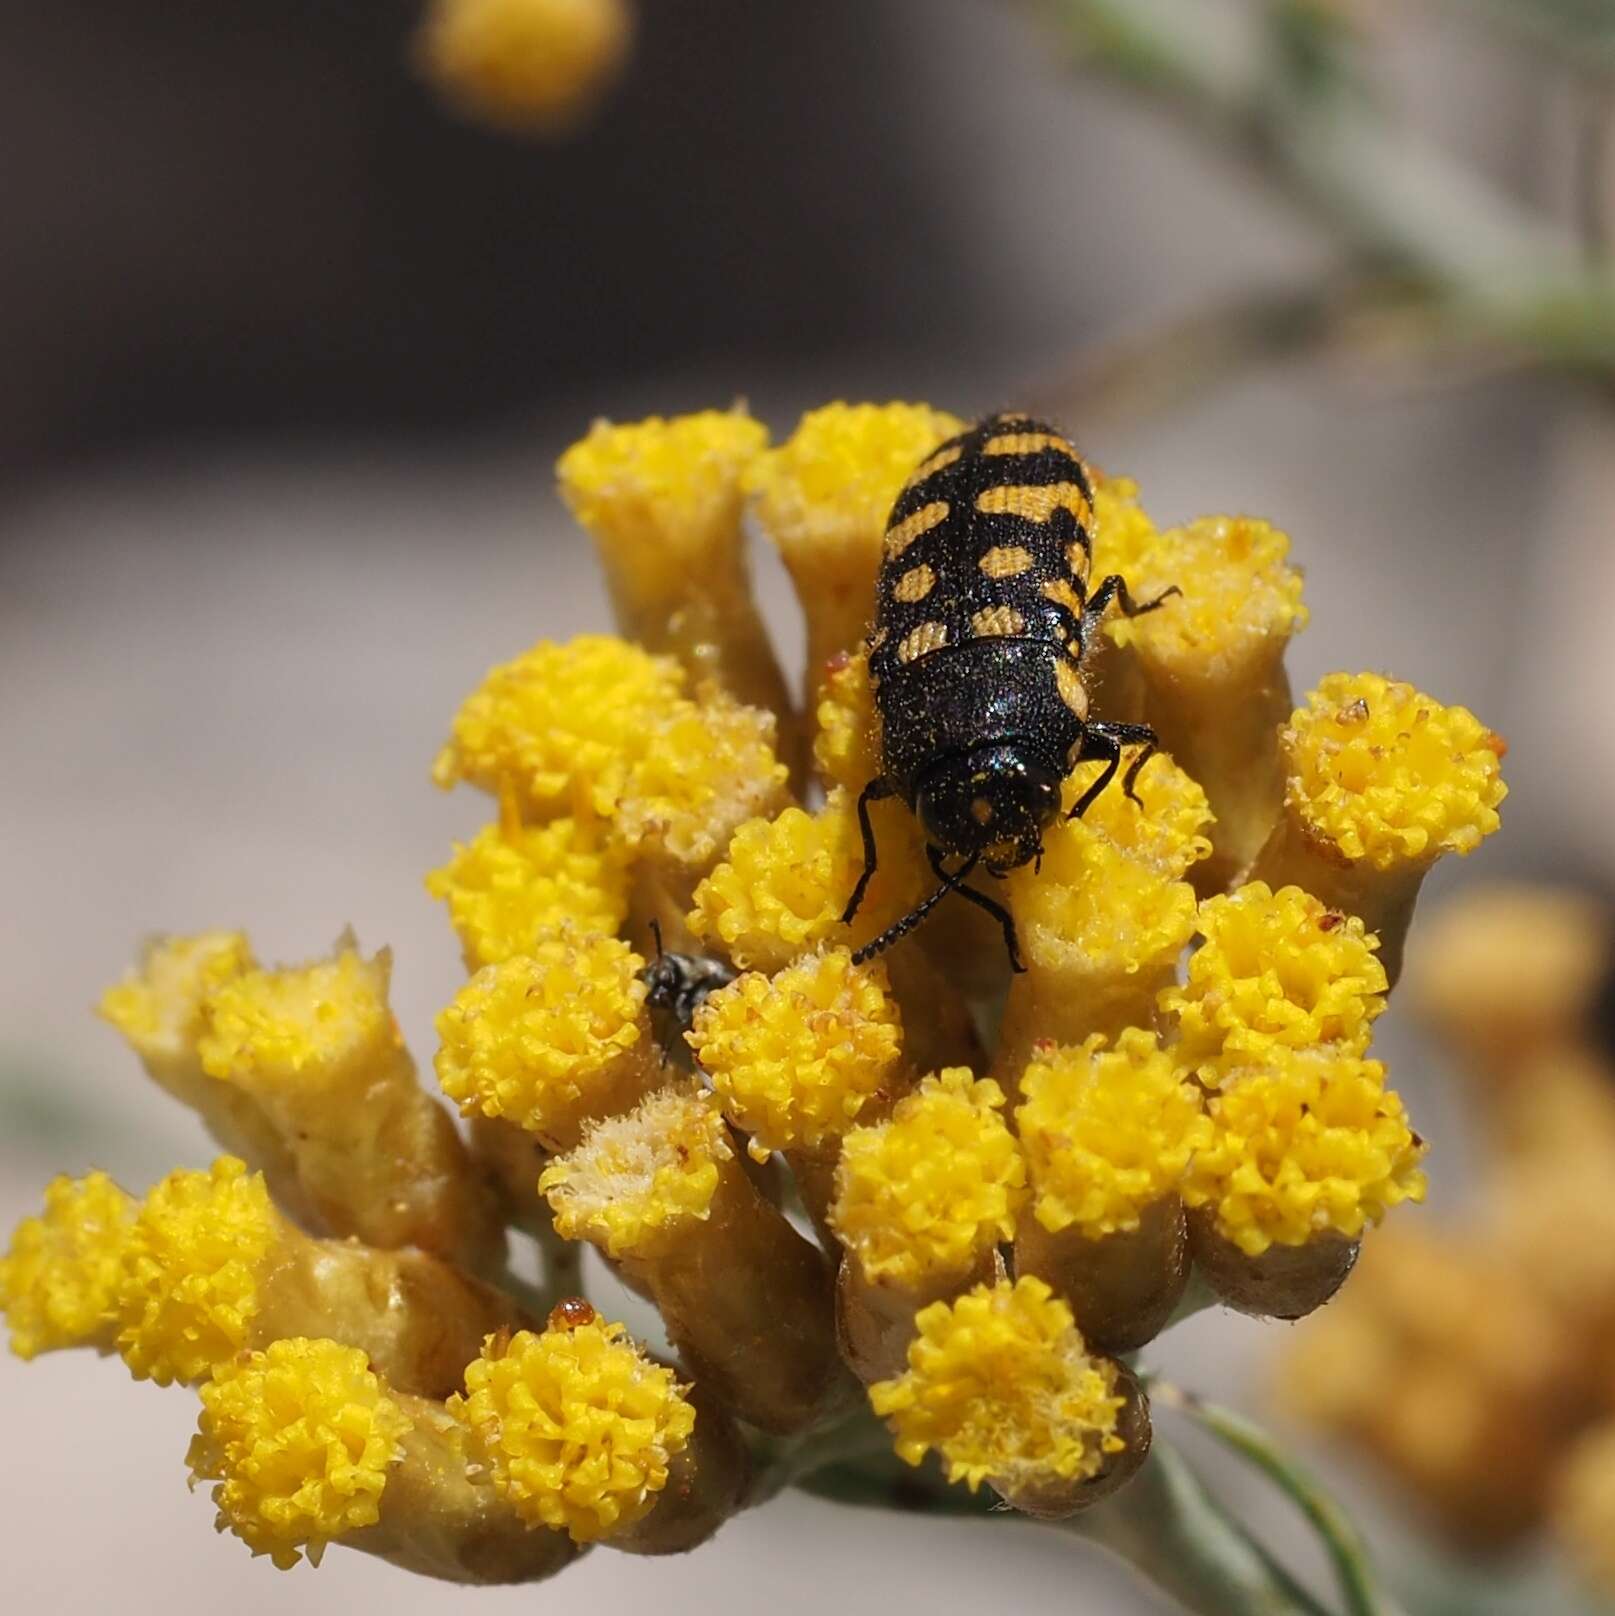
[513, 884]
[663, 496]
[824, 494]
[1312, 1142]
[705, 768]
[303, 1023]
[1241, 599]
[1108, 1130]
[299, 1439]
[636, 1182]
[534, 1038]
[795, 1057]
[189, 1286]
[1001, 1386]
[784, 883]
[577, 1426]
[1095, 908]
[1166, 828]
[158, 1006]
[528, 66]
[59, 1280]
[1125, 539]
[934, 1187]
[846, 740]
[1275, 968]
[1388, 775]
[561, 725]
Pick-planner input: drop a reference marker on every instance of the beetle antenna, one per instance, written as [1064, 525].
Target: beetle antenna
[901, 928]
[656, 932]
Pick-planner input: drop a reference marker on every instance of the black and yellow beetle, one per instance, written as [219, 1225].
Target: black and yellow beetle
[982, 618]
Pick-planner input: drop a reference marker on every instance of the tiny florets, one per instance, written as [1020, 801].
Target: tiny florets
[299, 1023]
[1387, 774]
[1310, 1143]
[1275, 968]
[513, 884]
[935, 1186]
[846, 744]
[1166, 828]
[158, 1007]
[299, 1439]
[1001, 1386]
[530, 1038]
[578, 1426]
[189, 1287]
[561, 725]
[59, 1280]
[796, 1056]
[1107, 1131]
[636, 1180]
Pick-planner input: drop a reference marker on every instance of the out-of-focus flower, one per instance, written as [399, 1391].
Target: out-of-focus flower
[525, 66]
[989, 1235]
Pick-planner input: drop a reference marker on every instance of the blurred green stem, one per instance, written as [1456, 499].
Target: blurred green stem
[1291, 97]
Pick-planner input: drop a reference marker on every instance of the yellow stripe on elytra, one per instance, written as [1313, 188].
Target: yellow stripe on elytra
[940, 461]
[1005, 561]
[919, 641]
[1025, 443]
[997, 620]
[914, 585]
[900, 537]
[1062, 594]
[1072, 690]
[1037, 502]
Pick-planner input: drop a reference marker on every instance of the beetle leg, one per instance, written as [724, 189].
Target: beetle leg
[877, 790]
[901, 928]
[1114, 588]
[1103, 740]
[982, 901]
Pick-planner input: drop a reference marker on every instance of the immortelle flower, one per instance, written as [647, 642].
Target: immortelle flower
[1010, 1181]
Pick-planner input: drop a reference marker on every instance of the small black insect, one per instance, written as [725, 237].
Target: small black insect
[680, 983]
[982, 618]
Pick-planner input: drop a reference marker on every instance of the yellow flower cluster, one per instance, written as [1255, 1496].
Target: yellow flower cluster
[1011, 1181]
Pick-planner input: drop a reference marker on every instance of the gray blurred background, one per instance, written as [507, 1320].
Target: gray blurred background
[288, 353]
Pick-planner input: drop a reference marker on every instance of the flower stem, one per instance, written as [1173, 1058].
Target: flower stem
[1343, 1542]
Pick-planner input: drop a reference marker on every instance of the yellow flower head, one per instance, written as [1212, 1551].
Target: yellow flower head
[846, 742]
[561, 725]
[577, 1425]
[513, 884]
[934, 1187]
[637, 1182]
[299, 1439]
[527, 66]
[663, 497]
[303, 1024]
[1387, 775]
[1166, 828]
[1125, 539]
[1001, 1386]
[1312, 1142]
[1240, 604]
[1276, 968]
[533, 1038]
[58, 1282]
[1107, 1131]
[706, 768]
[784, 883]
[189, 1289]
[158, 1007]
[823, 495]
[794, 1057]
[1095, 908]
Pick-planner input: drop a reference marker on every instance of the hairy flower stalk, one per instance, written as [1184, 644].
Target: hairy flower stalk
[1177, 1092]
[1108, 1133]
[922, 1201]
[1380, 781]
[746, 1300]
[1212, 665]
